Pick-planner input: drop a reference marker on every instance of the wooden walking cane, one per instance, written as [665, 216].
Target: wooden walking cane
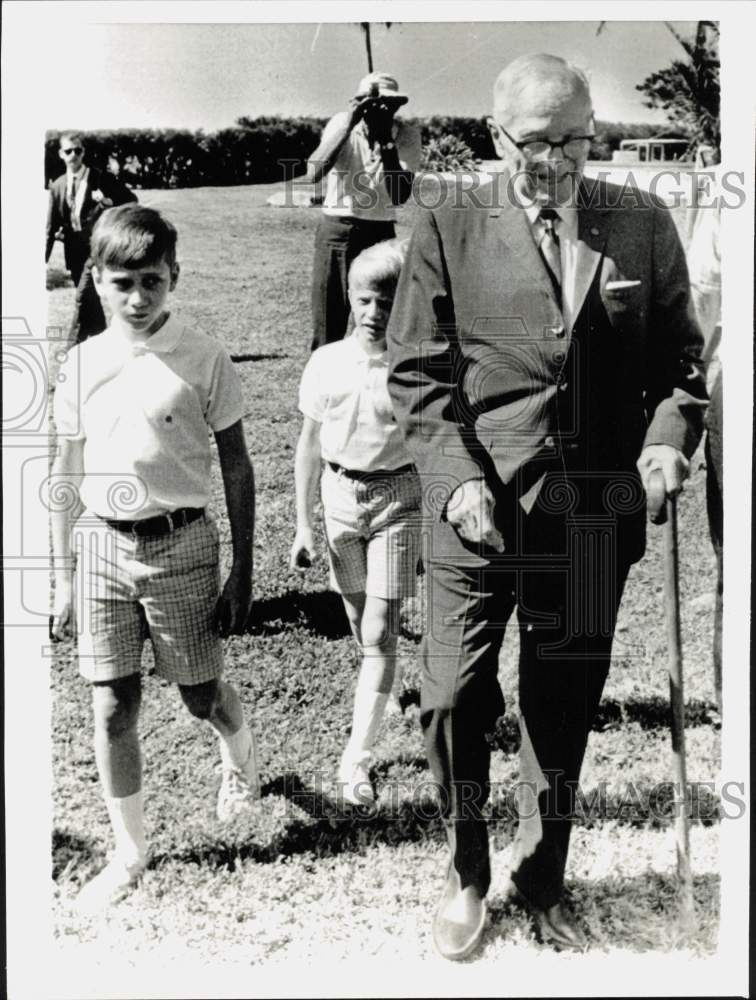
[663, 510]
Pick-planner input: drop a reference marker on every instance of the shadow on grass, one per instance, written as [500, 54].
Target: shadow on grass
[649, 713]
[70, 851]
[639, 913]
[320, 611]
[653, 713]
[239, 358]
[330, 828]
[57, 278]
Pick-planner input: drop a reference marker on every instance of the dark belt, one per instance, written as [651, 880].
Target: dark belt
[378, 474]
[162, 524]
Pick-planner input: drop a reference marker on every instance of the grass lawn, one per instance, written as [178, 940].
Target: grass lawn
[304, 880]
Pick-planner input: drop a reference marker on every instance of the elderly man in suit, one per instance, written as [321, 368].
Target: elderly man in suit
[77, 199]
[544, 359]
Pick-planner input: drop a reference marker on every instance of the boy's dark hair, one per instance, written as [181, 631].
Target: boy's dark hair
[133, 236]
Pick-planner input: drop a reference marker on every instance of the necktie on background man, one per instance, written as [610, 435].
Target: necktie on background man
[75, 223]
[550, 250]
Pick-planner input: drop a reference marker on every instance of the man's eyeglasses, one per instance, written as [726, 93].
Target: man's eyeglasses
[541, 149]
[72, 149]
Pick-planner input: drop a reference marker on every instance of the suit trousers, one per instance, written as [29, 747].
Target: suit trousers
[88, 316]
[564, 575]
[338, 240]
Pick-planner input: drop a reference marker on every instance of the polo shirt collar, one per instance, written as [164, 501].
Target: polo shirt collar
[164, 341]
[361, 356]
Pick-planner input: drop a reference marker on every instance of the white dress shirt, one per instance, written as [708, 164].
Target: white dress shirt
[566, 229]
[82, 177]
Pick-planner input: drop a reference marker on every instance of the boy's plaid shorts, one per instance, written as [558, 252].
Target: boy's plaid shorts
[164, 588]
[373, 532]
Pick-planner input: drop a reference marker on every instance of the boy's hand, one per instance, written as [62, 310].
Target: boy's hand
[62, 619]
[303, 550]
[234, 604]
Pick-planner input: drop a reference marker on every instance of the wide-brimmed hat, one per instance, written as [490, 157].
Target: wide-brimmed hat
[388, 88]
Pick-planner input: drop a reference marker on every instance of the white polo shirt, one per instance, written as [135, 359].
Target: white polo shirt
[345, 389]
[355, 184]
[144, 412]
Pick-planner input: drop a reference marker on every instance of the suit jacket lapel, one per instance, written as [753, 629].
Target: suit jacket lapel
[513, 230]
[593, 230]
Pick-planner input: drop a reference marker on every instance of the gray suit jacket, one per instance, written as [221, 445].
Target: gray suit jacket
[477, 341]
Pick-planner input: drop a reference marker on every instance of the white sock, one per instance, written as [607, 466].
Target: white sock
[398, 685]
[235, 749]
[127, 819]
[367, 713]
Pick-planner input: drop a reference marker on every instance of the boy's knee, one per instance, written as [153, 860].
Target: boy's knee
[377, 634]
[116, 704]
[200, 699]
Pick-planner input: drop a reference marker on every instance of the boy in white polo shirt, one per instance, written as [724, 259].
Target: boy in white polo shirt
[371, 496]
[133, 414]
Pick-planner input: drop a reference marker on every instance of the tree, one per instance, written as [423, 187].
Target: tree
[688, 90]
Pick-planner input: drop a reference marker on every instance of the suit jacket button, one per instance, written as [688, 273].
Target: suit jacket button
[559, 332]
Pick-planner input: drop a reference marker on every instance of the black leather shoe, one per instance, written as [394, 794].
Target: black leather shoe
[556, 925]
[553, 924]
[459, 920]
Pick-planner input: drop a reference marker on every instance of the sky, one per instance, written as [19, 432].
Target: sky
[207, 75]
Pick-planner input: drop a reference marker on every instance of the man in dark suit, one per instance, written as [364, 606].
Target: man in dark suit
[77, 199]
[544, 359]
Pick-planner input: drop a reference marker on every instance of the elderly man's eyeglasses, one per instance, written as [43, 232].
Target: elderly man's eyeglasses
[541, 149]
[72, 149]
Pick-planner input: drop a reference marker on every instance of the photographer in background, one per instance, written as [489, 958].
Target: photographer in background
[368, 159]
[77, 200]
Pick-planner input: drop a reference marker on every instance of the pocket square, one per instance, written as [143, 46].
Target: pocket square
[621, 286]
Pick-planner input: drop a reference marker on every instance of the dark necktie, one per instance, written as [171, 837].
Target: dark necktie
[549, 247]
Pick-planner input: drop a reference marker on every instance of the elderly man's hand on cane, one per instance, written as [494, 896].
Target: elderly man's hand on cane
[670, 461]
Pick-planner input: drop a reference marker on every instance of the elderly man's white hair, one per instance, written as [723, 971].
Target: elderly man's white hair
[554, 80]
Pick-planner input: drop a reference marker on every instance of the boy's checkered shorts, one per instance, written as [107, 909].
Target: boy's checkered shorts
[373, 533]
[164, 588]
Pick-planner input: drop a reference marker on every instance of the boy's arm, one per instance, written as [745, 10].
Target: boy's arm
[239, 484]
[65, 507]
[306, 476]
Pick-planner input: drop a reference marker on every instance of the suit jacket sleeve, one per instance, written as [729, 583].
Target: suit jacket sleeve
[112, 188]
[675, 380]
[54, 222]
[425, 373]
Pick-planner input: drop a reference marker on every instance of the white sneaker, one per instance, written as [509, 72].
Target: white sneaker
[354, 780]
[110, 886]
[239, 788]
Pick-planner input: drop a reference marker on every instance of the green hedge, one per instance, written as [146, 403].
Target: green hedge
[262, 150]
